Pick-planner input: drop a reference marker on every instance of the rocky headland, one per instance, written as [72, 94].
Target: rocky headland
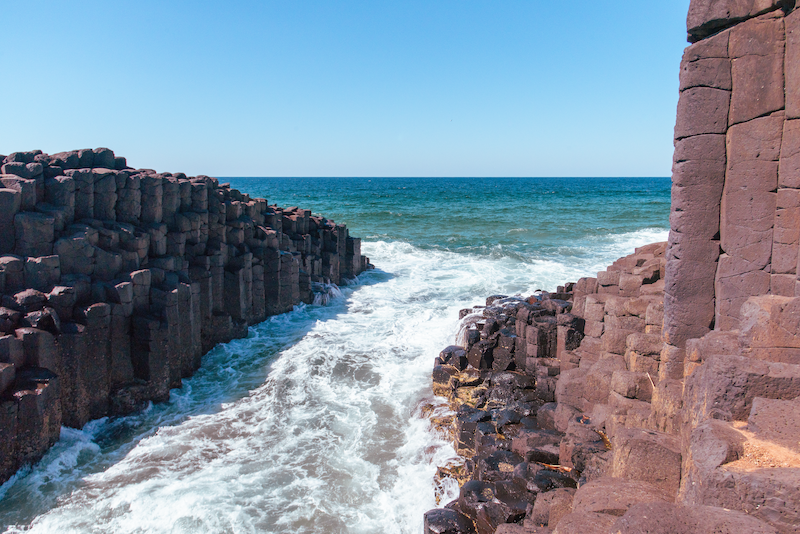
[115, 281]
[662, 395]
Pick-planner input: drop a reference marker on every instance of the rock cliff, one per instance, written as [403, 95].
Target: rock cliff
[662, 395]
[115, 281]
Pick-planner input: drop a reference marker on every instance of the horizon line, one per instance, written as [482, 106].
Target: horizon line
[465, 177]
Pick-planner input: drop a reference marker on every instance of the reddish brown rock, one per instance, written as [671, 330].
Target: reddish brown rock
[747, 215]
[769, 328]
[789, 170]
[714, 73]
[585, 523]
[724, 387]
[786, 235]
[614, 496]
[757, 52]
[792, 65]
[708, 16]
[551, 506]
[648, 456]
[702, 110]
[777, 421]
[666, 518]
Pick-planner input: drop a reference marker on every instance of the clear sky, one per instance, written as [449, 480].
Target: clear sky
[348, 88]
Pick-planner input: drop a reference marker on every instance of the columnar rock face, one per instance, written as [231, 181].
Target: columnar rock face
[735, 223]
[667, 388]
[115, 281]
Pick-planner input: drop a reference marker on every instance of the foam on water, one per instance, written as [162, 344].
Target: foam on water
[311, 424]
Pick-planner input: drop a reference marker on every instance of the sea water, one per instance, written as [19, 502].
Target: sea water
[316, 422]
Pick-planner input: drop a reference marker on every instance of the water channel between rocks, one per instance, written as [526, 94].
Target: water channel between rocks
[314, 423]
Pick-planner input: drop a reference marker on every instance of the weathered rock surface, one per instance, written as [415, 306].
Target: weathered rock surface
[671, 385]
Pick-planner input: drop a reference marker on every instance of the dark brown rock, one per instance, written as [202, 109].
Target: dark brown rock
[447, 521]
[10, 200]
[34, 234]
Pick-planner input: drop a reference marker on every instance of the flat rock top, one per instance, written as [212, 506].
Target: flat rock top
[761, 452]
[614, 496]
[776, 421]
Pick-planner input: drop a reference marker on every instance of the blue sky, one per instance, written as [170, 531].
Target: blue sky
[348, 88]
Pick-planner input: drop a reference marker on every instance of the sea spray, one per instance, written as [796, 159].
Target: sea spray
[311, 424]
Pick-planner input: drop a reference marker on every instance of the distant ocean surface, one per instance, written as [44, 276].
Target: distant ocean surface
[314, 423]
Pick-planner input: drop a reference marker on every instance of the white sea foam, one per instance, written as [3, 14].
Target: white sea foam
[311, 424]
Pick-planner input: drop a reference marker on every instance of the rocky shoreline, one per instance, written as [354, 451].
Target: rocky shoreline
[565, 424]
[115, 281]
[663, 395]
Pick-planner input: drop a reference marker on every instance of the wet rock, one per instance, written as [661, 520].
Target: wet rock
[447, 521]
[480, 356]
[497, 466]
[455, 356]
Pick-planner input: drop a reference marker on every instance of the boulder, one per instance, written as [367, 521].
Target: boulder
[447, 521]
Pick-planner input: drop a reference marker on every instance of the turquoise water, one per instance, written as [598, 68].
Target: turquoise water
[315, 422]
[578, 224]
[533, 218]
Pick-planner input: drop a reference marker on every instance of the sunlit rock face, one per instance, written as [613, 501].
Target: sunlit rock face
[672, 405]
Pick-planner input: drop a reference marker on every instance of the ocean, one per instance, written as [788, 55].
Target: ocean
[316, 422]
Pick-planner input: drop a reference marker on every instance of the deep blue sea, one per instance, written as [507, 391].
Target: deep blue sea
[316, 423]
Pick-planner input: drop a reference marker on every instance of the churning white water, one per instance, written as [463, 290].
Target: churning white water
[311, 424]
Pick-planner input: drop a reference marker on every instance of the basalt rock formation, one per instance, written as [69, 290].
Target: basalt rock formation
[662, 395]
[115, 281]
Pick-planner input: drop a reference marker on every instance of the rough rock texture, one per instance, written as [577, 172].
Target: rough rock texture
[578, 389]
[675, 374]
[115, 281]
[668, 387]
